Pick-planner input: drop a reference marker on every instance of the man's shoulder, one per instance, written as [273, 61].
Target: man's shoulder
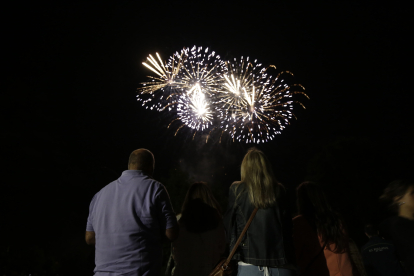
[140, 180]
[107, 187]
[151, 183]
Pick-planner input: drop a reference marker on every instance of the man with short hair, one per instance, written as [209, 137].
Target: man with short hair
[379, 255]
[127, 219]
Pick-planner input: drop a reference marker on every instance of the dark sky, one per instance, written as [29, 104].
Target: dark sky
[72, 69]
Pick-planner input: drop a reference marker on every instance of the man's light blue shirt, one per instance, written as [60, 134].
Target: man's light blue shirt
[129, 216]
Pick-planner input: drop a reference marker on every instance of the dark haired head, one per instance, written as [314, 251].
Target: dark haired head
[371, 230]
[200, 211]
[199, 217]
[202, 191]
[314, 206]
[311, 199]
[395, 191]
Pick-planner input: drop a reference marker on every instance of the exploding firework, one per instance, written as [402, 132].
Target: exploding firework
[184, 86]
[163, 90]
[200, 78]
[255, 106]
[237, 86]
[193, 109]
[203, 93]
[203, 68]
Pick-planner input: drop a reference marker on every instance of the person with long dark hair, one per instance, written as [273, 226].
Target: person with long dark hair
[321, 241]
[267, 247]
[400, 195]
[201, 242]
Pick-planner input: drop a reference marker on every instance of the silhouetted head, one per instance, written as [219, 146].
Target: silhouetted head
[370, 230]
[143, 160]
[202, 191]
[257, 174]
[400, 196]
[200, 211]
[313, 205]
[311, 199]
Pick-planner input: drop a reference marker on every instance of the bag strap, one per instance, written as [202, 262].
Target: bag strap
[226, 263]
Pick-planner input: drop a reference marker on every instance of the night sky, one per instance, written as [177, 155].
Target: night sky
[71, 72]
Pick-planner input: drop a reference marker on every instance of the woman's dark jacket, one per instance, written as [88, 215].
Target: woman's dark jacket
[268, 241]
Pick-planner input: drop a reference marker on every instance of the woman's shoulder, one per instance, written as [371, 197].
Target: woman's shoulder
[300, 220]
[235, 186]
[299, 217]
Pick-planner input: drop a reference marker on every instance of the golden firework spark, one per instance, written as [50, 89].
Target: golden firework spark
[166, 73]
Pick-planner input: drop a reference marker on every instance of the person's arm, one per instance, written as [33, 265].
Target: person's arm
[166, 214]
[90, 231]
[172, 233]
[228, 218]
[90, 237]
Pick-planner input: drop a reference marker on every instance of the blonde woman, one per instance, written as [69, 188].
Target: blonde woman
[267, 247]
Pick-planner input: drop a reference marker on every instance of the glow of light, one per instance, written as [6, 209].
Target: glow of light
[198, 103]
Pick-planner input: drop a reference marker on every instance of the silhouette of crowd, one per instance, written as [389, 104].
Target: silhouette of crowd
[129, 219]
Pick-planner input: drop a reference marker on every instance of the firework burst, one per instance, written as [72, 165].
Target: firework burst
[193, 109]
[256, 106]
[200, 78]
[204, 93]
[159, 92]
[184, 86]
[203, 68]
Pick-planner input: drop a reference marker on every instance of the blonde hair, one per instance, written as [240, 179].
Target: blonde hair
[257, 175]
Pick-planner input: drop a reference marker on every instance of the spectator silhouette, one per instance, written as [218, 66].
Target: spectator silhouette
[201, 242]
[127, 220]
[400, 195]
[379, 255]
[321, 242]
[267, 247]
